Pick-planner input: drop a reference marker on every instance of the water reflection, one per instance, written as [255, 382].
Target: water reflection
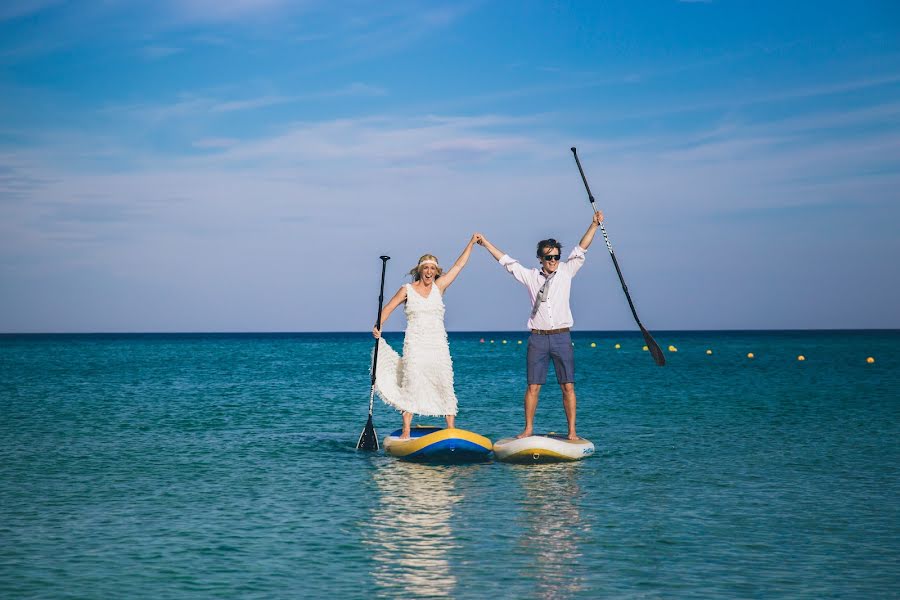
[552, 529]
[410, 531]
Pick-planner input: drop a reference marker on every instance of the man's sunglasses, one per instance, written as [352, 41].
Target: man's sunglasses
[549, 257]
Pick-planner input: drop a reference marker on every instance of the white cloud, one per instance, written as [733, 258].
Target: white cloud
[215, 143]
[158, 52]
[383, 142]
[715, 205]
[381, 29]
[354, 89]
[195, 106]
[247, 104]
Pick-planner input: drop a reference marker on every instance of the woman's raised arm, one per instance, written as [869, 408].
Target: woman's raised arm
[447, 278]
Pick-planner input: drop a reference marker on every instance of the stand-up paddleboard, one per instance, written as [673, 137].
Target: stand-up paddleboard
[542, 448]
[434, 444]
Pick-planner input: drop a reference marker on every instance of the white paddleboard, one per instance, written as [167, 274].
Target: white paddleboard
[542, 448]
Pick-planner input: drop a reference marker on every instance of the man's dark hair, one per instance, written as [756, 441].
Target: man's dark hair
[551, 243]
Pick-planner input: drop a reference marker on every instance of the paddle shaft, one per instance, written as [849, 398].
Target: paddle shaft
[384, 260]
[651, 343]
[606, 239]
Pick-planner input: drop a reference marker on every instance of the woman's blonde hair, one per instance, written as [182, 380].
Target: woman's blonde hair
[415, 271]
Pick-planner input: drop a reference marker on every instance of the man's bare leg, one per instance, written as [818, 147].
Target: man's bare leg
[451, 420]
[407, 421]
[531, 402]
[568, 395]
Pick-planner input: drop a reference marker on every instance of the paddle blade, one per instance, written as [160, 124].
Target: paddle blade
[368, 439]
[655, 351]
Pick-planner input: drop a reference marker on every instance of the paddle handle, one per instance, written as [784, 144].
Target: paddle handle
[384, 260]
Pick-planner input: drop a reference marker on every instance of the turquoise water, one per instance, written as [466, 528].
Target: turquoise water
[173, 466]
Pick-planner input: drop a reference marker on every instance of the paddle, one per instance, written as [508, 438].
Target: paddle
[368, 439]
[652, 346]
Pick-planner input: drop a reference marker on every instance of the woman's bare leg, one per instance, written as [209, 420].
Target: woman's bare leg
[407, 421]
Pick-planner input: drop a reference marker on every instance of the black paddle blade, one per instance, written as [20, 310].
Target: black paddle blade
[368, 439]
[655, 351]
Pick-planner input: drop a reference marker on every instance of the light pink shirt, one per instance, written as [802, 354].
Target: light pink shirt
[554, 312]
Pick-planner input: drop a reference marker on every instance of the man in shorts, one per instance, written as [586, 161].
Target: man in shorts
[551, 319]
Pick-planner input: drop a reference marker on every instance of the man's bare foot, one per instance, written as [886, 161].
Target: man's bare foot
[573, 436]
[525, 434]
[404, 435]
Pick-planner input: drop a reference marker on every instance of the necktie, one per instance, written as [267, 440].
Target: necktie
[542, 294]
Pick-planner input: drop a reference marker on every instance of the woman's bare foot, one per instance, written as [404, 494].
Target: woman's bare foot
[525, 434]
[573, 436]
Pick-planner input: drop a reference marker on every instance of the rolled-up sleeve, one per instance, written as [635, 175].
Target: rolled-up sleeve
[575, 261]
[515, 268]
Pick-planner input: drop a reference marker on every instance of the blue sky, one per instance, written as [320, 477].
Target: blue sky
[239, 165]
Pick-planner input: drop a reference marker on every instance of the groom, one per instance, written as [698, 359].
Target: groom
[551, 318]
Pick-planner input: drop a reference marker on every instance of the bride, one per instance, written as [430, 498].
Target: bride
[421, 381]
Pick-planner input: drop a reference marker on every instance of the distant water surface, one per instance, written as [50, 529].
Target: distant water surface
[223, 466]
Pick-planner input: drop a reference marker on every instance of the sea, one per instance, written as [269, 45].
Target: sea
[224, 466]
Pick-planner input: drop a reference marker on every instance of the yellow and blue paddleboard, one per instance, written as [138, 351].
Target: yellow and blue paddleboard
[434, 444]
[542, 448]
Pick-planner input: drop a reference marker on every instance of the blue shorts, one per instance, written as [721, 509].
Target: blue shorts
[541, 348]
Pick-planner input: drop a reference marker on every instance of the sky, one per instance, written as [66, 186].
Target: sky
[240, 165]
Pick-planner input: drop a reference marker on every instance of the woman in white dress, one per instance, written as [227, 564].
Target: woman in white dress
[420, 381]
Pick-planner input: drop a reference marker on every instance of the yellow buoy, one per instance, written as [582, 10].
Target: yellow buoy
[519, 342]
[801, 357]
[504, 341]
[673, 349]
[618, 346]
[593, 344]
[870, 360]
[645, 348]
[749, 355]
[709, 351]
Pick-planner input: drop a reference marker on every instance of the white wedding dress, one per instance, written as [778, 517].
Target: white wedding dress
[420, 381]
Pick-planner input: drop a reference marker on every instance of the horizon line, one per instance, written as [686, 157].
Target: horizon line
[468, 331]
